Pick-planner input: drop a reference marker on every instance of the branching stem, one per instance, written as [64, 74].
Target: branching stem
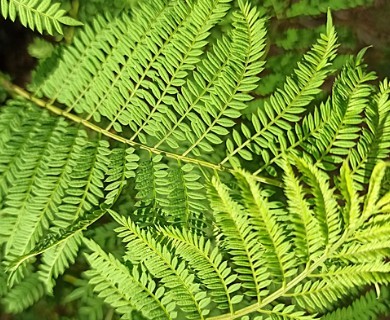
[20, 92]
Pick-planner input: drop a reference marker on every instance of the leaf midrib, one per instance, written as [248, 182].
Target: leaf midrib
[17, 91]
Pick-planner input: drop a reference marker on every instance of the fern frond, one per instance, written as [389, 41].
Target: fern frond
[209, 264]
[185, 198]
[143, 248]
[12, 118]
[13, 140]
[321, 295]
[235, 230]
[271, 122]
[265, 217]
[51, 177]
[170, 62]
[368, 306]
[188, 46]
[100, 49]
[40, 15]
[58, 237]
[173, 188]
[35, 181]
[364, 251]
[374, 143]
[325, 207]
[122, 167]
[372, 205]
[60, 246]
[57, 259]
[350, 97]
[24, 294]
[188, 25]
[308, 238]
[326, 134]
[63, 232]
[150, 178]
[352, 210]
[126, 291]
[228, 95]
[206, 106]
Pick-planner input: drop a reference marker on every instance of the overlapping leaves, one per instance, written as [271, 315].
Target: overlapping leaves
[153, 80]
[298, 264]
[53, 178]
[38, 15]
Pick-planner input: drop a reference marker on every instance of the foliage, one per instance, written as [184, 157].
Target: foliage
[38, 15]
[323, 253]
[294, 27]
[144, 129]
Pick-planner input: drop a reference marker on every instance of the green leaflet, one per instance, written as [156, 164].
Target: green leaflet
[42, 16]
